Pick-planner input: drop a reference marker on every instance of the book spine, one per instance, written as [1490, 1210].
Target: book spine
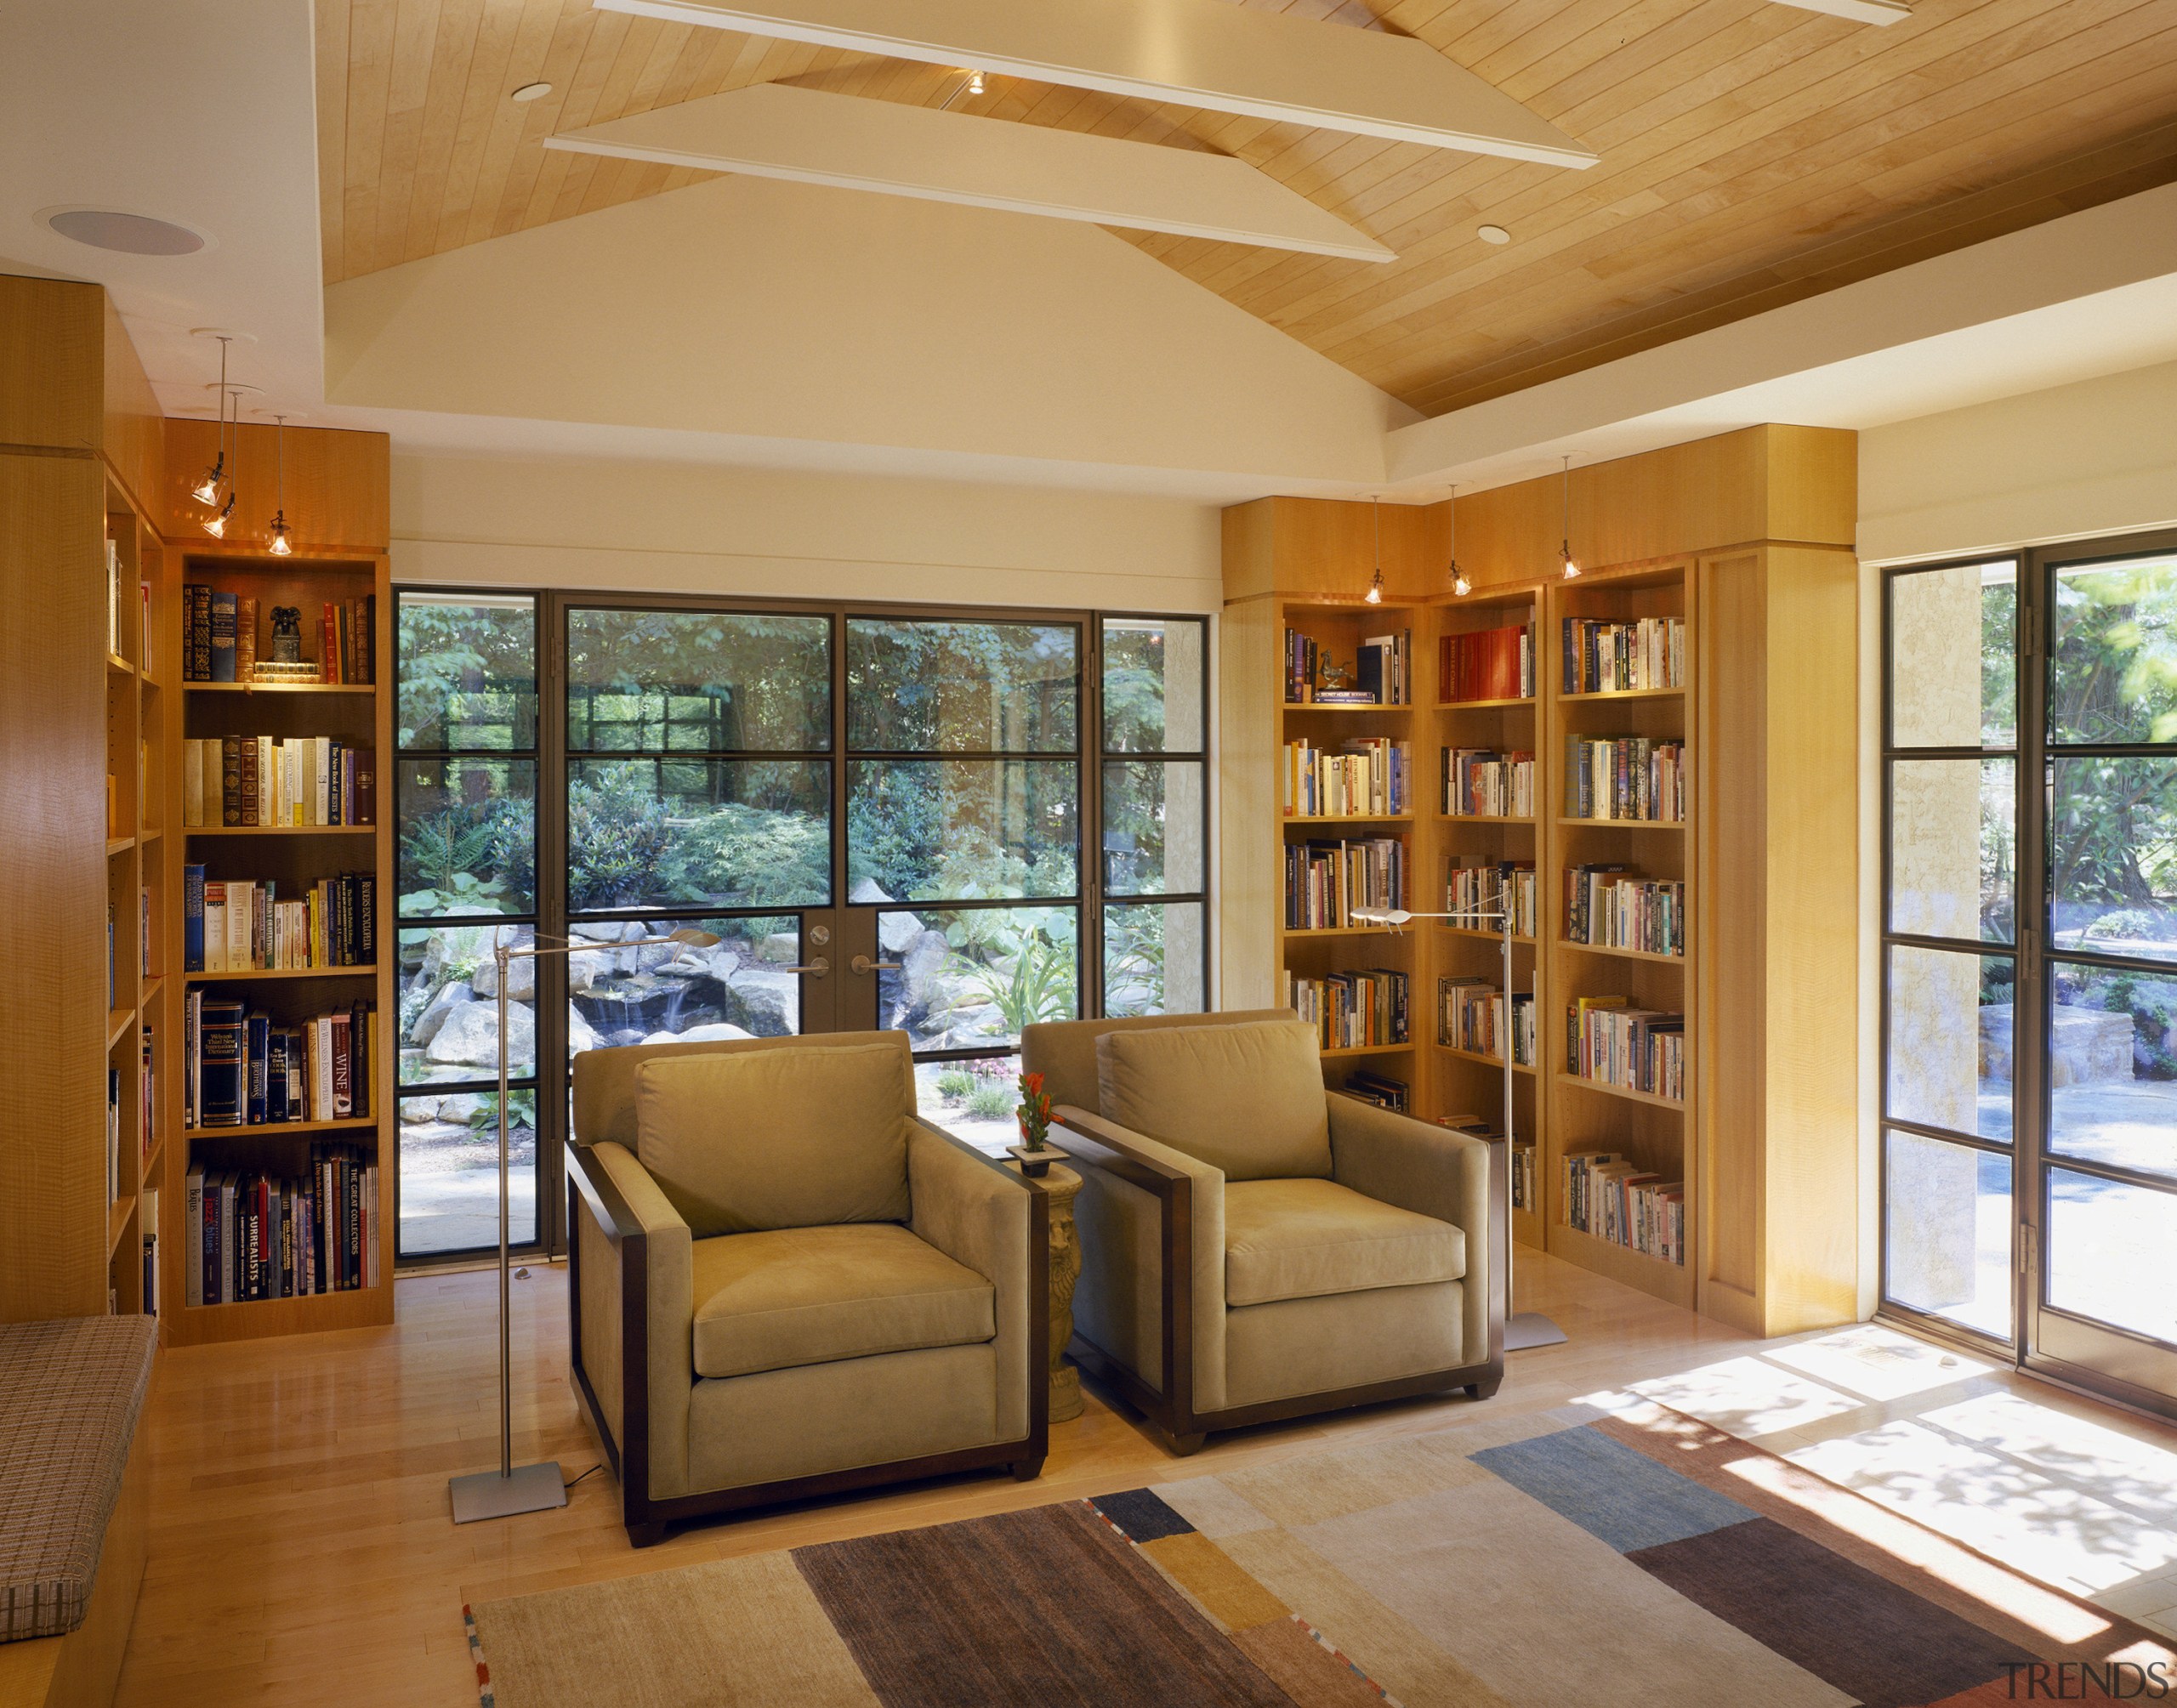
[231, 781]
[258, 1039]
[222, 637]
[244, 638]
[220, 1042]
[328, 657]
[192, 919]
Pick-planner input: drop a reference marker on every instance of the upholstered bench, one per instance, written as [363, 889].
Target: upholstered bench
[71, 1503]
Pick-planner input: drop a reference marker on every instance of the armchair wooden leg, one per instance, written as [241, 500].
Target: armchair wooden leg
[1486, 1390]
[1181, 1446]
[1026, 1470]
[646, 1535]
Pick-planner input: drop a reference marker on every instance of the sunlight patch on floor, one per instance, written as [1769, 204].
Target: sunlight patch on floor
[1749, 1398]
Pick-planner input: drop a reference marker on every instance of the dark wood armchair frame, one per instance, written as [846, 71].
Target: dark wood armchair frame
[1172, 1410]
[647, 1516]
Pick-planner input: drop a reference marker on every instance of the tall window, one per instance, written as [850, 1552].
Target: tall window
[466, 782]
[954, 825]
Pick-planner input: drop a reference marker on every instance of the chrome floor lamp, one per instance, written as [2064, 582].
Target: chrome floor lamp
[1523, 1329]
[514, 1488]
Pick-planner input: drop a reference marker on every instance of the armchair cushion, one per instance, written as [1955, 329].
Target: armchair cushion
[1303, 1239]
[804, 1296]
[743, 1141]
[1246, 1099]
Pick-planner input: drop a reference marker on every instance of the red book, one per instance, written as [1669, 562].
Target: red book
[328, 651]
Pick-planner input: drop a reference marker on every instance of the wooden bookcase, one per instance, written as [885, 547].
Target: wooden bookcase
[1747, 538]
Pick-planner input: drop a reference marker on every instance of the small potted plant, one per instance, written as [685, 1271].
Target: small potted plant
[1033, 1112]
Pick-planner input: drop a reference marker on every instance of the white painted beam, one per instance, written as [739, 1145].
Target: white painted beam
[1859, 11]
[1203, 54]
[774, 130]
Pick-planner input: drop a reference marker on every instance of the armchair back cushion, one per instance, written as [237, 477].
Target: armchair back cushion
[1064, 1052]
[1246, 1099]
[747, 1141]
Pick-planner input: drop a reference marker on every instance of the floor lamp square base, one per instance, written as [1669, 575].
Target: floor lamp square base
[1528, 1329]
[487, 1495]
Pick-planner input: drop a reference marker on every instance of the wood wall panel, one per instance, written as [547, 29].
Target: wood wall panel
[134, 426]
[338, 487]
[52, 879]
[1330, 548]
[52, 339]
[1752, 154]
[1248, 878]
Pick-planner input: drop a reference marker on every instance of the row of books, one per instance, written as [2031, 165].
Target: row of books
[220, 640]
[1614, 907]
[1326, 882]
[1480, 891]
[1610, 1198]
[1471, 1017]
[1366, 778]
[1486, 783]
[147, 1101]
[1526, 1183]
[258, 1236]
[241, 925]
[147, 1219]
[1487, 664]
[1353, 1010]
[117, 605]
[1619, 657]
[1381, 1090]
[1625, 777]
[1640, 1049]
[243, 781]
[1383, 671]
[241, 1070]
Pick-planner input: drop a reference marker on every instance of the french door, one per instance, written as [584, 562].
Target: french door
[954, 823]
[2030, 959]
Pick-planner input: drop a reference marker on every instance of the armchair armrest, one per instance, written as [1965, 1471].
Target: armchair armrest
[1433, 1171]
[633, 1314]
[984, 1216]
[1189, 1247]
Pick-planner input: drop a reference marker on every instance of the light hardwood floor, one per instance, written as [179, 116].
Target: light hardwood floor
[301, 1549]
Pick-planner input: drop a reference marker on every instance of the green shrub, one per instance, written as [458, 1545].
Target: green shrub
[991, 1099]
[739, 855]
[954, 1084]
[617, 839]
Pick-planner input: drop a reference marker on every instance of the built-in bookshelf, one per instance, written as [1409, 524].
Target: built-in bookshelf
[283, 1194]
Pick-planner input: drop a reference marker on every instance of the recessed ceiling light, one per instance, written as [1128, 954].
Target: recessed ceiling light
[530, 92]
[1493, 233]
[130, 233]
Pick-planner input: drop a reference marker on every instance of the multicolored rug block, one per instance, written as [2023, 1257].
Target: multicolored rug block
[1567, 1558]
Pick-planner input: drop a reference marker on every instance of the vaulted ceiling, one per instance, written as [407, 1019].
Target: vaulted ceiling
[1752, 154]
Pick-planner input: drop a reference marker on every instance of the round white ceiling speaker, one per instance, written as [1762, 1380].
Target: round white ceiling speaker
[1493, 233]
[129, 234]
[530, 92]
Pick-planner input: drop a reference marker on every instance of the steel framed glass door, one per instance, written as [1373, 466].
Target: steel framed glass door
[2029, 1090]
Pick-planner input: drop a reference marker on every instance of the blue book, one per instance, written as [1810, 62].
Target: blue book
[259, 1041]
[220, 1044]
[223, 637]
[192, 919]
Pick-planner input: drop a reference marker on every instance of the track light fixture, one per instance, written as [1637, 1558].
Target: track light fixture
[215, 525]
[975, 83]
[283, 543]
[207, 490]
[1461, 587]
[1571, 570]
[1374, 596]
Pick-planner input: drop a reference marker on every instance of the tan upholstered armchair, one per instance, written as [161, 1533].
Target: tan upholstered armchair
[1255, 1248]
[784, 1285]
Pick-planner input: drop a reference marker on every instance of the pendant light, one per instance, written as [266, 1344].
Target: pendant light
[1374, 596]
[1461, 587]
[215, 525]
[283, 543]
[207, 490]
[1571, 570]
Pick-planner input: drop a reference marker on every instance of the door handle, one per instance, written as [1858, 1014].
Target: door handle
[815, 969]
[862, 964]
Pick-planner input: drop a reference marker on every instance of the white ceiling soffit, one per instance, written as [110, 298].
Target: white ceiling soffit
[1202, 54]
[809, 136]
[2090, 293]
[1859, 11]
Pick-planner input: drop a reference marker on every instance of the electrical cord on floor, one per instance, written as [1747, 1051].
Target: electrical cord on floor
[579, 1477]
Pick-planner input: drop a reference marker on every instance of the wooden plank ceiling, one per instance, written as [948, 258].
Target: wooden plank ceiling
[1752, 154]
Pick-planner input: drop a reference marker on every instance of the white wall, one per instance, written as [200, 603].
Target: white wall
[676, 528]
[2096, 457]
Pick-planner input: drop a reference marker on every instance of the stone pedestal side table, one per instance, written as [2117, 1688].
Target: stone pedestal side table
[1062, 1185]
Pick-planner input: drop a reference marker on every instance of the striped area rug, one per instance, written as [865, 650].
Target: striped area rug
[1563, 1558]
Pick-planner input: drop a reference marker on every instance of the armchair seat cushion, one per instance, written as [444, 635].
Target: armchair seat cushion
[1303, 1239]
[780, 1298]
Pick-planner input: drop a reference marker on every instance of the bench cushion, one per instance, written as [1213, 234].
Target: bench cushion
[1303, 1239]
[803, 1296]
[69, 1394]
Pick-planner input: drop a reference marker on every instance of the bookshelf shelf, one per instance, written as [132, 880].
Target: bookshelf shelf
[1484, 819]
[1518, 941]
[1368, 1049]
[284, 1129]
[1494, 1062]
[261, 972]
[281, 829]
[150, 990]
[117, 1215]
[1579, 948]
[118, 845]
[1627, 694]
[1583, 1083]
[1484, 705]
[1377, 706]
[1348, 818]
[119, 666]
[280, 687]
[1325, 933]
[1570, 824]
[119, 1021]
[150, 834]
[1652, 1276]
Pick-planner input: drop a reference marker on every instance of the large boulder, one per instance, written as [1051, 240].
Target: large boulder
[716, 1031]
[521, 979]
[896, 931]
[869, 893]
[449, 997]
[469, 1036]
[768, 1003]
[581, 1034]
